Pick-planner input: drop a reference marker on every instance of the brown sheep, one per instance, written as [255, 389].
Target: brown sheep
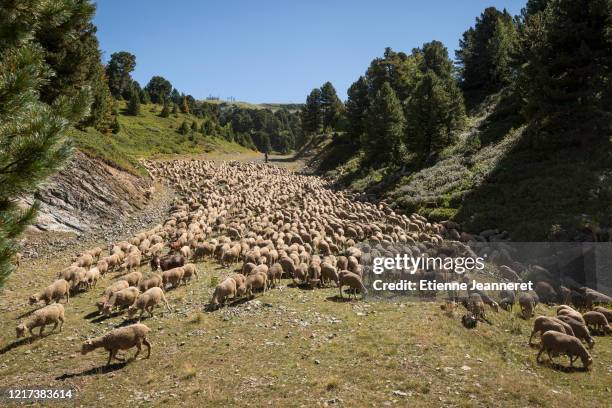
[597, 321]
[580, 330]
[256, 281]
[223, 291]
[542, 324]
[352, 280]
[173, 276]
[558, 343]
[605, 312]
[122, 338]
[151, 282]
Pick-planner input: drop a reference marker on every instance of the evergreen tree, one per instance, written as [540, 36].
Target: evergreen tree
[165, 112]
[175, 109]
[115, 127]
[184, 105]
[144, 97]
[194, 126]
[384, 126]
[311, 112]
[118, 71]
[133, 107]
[32, 133]
[484, 54]
[331, 106]
[435, 58]
[428, 116]
[184, 128]
[565, 80]
[356, 108]
[176, 96]
[159, 89]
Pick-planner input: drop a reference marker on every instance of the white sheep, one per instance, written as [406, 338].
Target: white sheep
[121, 298]
[53, 293]
[223, 291]
[122, 338]
[40, 318]
[147, 301]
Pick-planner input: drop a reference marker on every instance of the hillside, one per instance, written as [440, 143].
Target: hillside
[148, 135]
[489, 178]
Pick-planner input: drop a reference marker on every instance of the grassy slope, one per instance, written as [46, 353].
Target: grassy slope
[149, 136]
[302, 350]
[491, 178]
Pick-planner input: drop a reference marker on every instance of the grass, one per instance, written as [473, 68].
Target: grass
[149, 136]
[298, 348]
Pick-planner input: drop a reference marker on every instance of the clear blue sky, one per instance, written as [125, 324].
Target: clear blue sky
[275, 50]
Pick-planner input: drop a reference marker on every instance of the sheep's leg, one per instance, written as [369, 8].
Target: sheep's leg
[150, 310]
[538, 358]
[138, 348]
[61, 323]
[340, 288]
[572, 359]
[146, 343]
[68, 297]
[110, 357]
[42, 328]
[54, 327]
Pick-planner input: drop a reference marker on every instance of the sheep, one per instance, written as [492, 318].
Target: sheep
[240, 284]
[555, 343]
[84, 261]
[352, 280]
[53, 293]
[329, 273]
[173, 276]
[40, 318]
[91, 277]
[190, 270]
[147, 301]
[542, 324]
[230, 255]
[108, 292]
[95, 252]
[223, 291]
[274, 273]
[133, 278]
[247, 268]
[122, 298]
[131, 261]
[568, 311]
[596, 321]
[102, 266]
[151, 282]
[580, 330]
[592, 297]
[605, 312]
[545, 292]
[476, 306]
[185, 251]
[256, 281]
[527, 303]
[167, 262]
[122, 338]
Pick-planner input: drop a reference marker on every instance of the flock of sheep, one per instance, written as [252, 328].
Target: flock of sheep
[272, 224]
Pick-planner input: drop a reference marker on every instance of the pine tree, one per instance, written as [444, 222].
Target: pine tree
[115, 127]
[118, 71]
[384, 126]
[165, 112]
[184, 106]
[311, 112]
[356, 108]
[565, 78]
[427, 129]
[133, 107]
[159, 89]
[32, 134]
[184, 128]
[331, 106]
[175, 109]
[194, 126]
[144, 97]
[485, 51]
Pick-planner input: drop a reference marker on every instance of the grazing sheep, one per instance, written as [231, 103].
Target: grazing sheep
[133, 278]
[223, 291]
[568, 311]
[597, 321]
[84, 261]
[120, 299]
[329, 273]
[108, 292]
[131, 261]
[545, 292]
[173, 276]
[147, 301]
[527, 303]
[53, 293]
[154, 281]
[605, 312]
[102, 266]
[274, 273]
[592, 298]
[190, 270]
[542, 324]
[580, 330]
[256, 281]
[122, 338]
[555, 343]
[91, 277]
[185, 251]
[40, 318]
[352, 280]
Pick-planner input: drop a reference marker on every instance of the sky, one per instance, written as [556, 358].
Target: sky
[275, 50]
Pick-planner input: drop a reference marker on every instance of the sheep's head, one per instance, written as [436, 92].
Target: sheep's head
[131, 311]
[106, 309]
[34, 299]
[588, 362]
[20, 330]
[495, 306]
[87, 347]
[590, 342]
